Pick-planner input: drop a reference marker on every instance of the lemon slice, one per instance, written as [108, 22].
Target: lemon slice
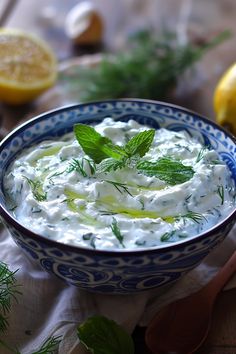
[27, 66]
[225, 99]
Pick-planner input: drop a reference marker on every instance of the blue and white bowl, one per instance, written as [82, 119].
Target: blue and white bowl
[122, 271]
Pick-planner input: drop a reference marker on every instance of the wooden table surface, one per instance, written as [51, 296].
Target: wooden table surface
[46, 18]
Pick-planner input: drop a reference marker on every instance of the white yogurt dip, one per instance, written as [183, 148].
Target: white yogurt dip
[58, 191]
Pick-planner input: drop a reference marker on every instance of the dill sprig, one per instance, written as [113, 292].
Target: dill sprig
[9, 348]
[194, 216]
[201, 154]
[49, 346]
[78, 166]
[121, 187]
[116, 231]
[149, 67]
[166, 237]
[8, 291]
[54, 175]
[37, 190]
[221, 193]
[171, 236]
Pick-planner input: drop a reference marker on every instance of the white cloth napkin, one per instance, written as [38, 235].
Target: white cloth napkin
[48, 306]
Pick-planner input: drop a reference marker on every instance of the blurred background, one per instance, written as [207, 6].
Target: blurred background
[194, 22]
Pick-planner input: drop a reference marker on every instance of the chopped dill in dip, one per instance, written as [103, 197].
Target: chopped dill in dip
[119, 185]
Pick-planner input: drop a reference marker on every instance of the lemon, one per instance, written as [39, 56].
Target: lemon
[225, 99]
[27, 66]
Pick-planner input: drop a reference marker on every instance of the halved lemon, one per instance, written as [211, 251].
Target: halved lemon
[28, 66]
[225, 99]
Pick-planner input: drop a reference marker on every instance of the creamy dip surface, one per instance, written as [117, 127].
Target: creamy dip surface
[56, 190]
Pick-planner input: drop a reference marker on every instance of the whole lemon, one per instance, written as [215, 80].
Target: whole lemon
[225, 99]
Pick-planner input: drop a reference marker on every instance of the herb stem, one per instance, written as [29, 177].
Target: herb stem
[116, 231]
[221, 193]
[121, 187]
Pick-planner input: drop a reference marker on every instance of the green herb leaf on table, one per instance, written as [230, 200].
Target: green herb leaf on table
[101, 335]
[167, 169]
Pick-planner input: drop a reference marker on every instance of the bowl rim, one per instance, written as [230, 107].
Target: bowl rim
[6, 215]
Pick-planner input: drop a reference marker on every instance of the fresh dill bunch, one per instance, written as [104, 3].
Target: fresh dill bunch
[8, 291]
[50, 346]
[148, 68]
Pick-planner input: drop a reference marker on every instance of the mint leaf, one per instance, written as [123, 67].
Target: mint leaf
[140, 143]
[110, 164]
[95, 145]
[101, 335]
[171, 171]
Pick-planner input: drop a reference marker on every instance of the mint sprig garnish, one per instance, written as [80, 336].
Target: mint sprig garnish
[96, 146]
[111, 157]
[167, 169]
[99, 147]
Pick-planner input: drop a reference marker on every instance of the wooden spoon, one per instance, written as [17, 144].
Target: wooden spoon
[181, 327]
